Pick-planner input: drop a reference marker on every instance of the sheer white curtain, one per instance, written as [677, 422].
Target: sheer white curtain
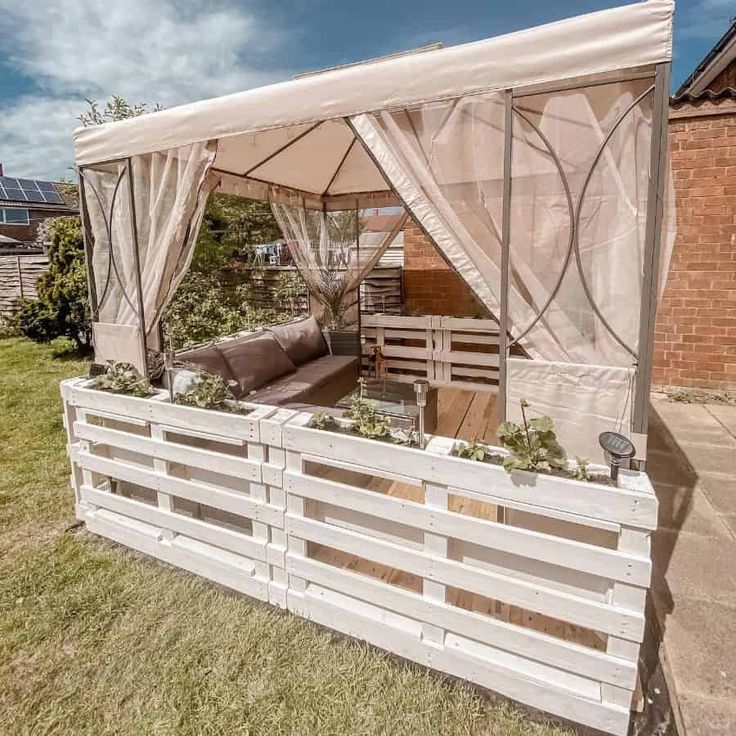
[170, 192]
[445, 160]
[331, 252]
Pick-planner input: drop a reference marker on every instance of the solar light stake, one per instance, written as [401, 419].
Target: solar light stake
[618, 447]
[421, 388]
[169, 356]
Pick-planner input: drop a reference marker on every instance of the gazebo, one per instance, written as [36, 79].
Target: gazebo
[536, 164]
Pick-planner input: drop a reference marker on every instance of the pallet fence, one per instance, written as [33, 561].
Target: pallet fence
[531, 586]
[447, 351]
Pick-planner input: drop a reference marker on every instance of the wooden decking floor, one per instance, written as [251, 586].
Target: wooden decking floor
[464, 415]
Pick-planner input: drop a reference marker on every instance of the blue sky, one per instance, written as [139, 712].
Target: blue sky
[53, 54]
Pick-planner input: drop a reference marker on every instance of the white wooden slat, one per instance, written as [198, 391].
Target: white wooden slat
[233, 541]
[468, 324]
[526, 642]
[541, 491]
[115, 527]
[460, 370]
[611, 564]
[580, 611]
[468, 358]
[218, 462]
[505, 681]
[220, 498]
[155, 409]
[387, 320]
[400, 351]
[118, 417]
[353, 468]
[473, 338]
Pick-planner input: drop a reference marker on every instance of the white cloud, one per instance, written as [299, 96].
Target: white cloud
[165, 51]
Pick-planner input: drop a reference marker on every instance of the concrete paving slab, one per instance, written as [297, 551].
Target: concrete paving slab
[695, 424]
[725, 414]
[695, 567]
[692, 463]
[700, 716]
[720, 489]
[709, 672]
[684, 510]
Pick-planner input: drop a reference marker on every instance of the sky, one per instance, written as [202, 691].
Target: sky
[54, 54]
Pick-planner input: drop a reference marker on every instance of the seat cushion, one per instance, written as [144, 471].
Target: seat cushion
[208, 359]
[321, 381]
[255, 360]
[301, 340]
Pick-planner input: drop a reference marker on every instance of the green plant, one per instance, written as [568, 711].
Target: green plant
[121, 378]
[209, 392]
[367, 422]
[321, 420]
[61, 308]
[533, 444]
[581, 470]
[473, 450]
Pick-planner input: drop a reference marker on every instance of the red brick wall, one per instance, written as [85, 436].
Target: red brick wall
[695, 338]
[430, 285]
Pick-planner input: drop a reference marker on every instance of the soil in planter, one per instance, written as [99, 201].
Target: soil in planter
[350, 432]
[604, 480]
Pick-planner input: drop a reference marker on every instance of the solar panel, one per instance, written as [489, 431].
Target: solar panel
[29, 190]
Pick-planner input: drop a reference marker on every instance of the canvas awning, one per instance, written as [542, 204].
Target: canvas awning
[534, 161]
[607, 41]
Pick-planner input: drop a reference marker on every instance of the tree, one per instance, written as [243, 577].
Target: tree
[62, 307]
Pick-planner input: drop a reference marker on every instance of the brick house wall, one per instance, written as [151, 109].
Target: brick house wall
[695, 337]
[27, 233]
[430, 285]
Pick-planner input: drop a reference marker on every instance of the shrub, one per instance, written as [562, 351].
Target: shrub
[62, 306]
[367, 421]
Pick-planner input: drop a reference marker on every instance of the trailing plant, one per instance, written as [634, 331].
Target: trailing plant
[473, 450]
[405, 437]
[581, 470]
[209, 391]
[121, 378]
[533, 444]
[367, 422]
[321, 420]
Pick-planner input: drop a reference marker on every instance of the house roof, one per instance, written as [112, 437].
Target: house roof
[714, 62]
[31, 193]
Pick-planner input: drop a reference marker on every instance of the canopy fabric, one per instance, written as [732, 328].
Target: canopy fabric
[620, 38]
[170, 192]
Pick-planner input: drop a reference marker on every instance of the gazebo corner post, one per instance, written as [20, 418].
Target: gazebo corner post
[88, 247]
[652, 246]
[503, 316]
[137, 263]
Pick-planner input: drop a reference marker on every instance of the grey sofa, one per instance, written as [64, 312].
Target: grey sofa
[285, 365]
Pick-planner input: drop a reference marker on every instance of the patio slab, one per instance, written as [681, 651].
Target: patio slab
[692, 463]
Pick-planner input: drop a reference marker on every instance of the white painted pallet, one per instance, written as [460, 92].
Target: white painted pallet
[541, 598]
[447, 351]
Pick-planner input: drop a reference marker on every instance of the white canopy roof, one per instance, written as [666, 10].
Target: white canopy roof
[628, 37]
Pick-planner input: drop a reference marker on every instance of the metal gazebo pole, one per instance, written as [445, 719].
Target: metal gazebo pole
[650, 278]
[136, 261]
[503, 317]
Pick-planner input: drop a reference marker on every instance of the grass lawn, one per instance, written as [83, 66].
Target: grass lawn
[95, 639]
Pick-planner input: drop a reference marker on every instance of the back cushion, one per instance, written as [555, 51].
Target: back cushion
[302, 341]
[209, 359]
[254, 361]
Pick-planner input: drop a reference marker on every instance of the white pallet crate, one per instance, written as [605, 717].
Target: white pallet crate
[533, 586]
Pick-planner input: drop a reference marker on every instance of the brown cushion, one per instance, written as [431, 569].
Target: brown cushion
[208, 359]
[321, 381]
[302, 341]
[254, 361]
